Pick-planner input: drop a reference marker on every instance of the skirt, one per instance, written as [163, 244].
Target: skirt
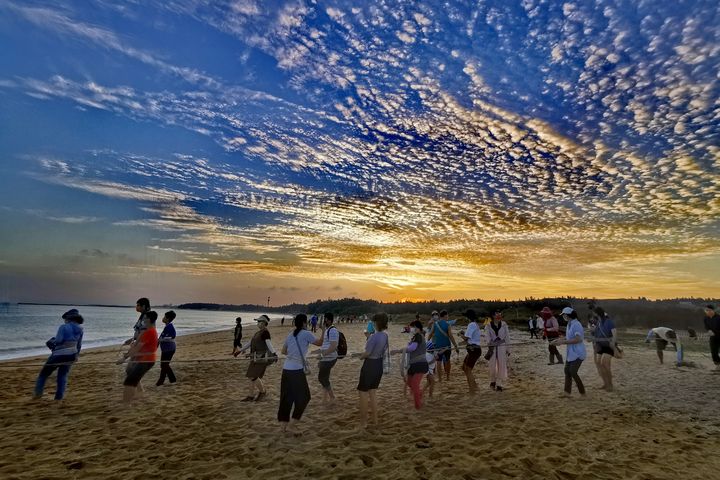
[370, 374]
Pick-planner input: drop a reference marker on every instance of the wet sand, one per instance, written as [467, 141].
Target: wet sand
[660, 423]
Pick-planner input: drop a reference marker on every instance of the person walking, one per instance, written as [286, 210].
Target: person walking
[237, 337]
[417, 363]
[498, 336]
[605, 345]
[329, 355]
[552, 333]
[442, 337]
[472, 337]
[65, 347]
[371, 371]
[575, 354]
[712, 326]
[294, 390]
[261, 348]
[141, 358]
[167, 348]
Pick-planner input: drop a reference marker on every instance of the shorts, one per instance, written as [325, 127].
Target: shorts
[660, 344]
[370, 374]
[444, 355]
[256, 370]
[419, 367]
[135, 373]
[472, 357]
[605, 349]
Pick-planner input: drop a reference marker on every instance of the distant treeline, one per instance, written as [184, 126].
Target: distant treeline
[680, 313]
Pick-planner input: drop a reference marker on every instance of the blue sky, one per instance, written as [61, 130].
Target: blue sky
[221, 150]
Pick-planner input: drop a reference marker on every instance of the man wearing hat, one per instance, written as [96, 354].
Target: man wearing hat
[65, 346]
[712, 325]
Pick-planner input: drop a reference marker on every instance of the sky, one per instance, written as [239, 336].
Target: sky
[231, 151]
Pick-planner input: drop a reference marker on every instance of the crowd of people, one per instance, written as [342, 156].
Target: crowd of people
[426, 356]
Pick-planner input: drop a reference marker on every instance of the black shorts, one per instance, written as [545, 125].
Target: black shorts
[472, 357]
[660, 344]
[605, 349]
[135, 373]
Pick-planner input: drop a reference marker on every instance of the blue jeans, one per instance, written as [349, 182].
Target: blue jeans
[62, 364]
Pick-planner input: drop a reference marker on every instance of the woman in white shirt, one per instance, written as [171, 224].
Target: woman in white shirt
[472, 338]
[294, 390]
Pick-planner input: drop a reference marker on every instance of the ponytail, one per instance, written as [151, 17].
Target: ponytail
[299, 321]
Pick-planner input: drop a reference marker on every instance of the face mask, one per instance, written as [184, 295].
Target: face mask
[413, 330]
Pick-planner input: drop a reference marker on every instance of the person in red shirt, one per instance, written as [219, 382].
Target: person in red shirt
[552, 333]
[141, 357]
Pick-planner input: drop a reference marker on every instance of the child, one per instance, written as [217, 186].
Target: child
[141, 357]
[65, 346]
[167, 349]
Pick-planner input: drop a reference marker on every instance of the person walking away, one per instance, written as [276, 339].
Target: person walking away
[294, 390]
[313, 322]
[498, 336]
[576, 353]
[328, 356]
[237, 337]
[712, 326]
[472, 337]
[605, 345]
[167, 348]
[371, 371]
[417, 363]
[141, 358]
[552, 332]
[65, 347]
[260, 349]
[442, 337]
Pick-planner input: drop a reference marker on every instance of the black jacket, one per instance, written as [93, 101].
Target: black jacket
[713, 323]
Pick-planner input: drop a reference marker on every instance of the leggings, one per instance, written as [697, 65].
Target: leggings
[62, 364]
[414, 382]
[165, 370]
[324, 373]
[294, 390]
[571, 373]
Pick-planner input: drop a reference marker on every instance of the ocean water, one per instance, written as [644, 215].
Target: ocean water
[26, 328]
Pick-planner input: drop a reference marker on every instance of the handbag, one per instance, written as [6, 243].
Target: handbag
[306, 365]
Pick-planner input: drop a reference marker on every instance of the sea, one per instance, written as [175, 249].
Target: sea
[26, 328]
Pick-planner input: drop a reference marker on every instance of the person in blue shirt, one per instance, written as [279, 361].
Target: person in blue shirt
[442, 336]
[574, 339]
[167, 348]
[65, 346]
[294, 390]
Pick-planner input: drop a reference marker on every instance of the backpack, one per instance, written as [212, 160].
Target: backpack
[342, 343]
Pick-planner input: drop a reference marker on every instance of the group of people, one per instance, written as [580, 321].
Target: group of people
[426, 355]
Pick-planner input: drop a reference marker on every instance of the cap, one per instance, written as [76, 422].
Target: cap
[263, 318]
[567, 310]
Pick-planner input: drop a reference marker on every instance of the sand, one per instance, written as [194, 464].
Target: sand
[660, 423]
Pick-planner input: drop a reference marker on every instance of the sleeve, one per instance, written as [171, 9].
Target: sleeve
[173, 333]
[412, 346]
[265, 335]
[370, 344]
[334, 335]
[60, 335]
[309, 337]
[79, 342]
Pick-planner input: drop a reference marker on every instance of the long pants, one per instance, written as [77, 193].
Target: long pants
[571, 373]
[414, 381]
[294, 390]
[324, 368]
[165, 369]
[61, 363]
[554, 353]
[715, 349]
[533, 333]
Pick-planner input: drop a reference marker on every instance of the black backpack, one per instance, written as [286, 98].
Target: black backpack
[342, 343]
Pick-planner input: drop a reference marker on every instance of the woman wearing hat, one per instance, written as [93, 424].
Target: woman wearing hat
[551, 330]
[65, 346]
[260, 348]
[498, 336]
[574, 339]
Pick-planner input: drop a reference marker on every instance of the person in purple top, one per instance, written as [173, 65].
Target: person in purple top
[167, 349]
[65, 346]
[372, 369]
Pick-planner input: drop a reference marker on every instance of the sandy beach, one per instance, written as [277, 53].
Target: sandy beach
[660, 423]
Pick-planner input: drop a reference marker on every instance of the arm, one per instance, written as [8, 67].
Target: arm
[319, 341]
[412, 346]
[452, 339]
[613, 342]
[79, 343]
[269, 345]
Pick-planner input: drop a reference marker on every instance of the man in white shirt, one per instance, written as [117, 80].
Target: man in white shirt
[329, 356]
[472, 337]
[663, 336]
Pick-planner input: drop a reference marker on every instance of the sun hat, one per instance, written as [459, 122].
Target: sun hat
[567, 310]
[73, 315]
[263, 318]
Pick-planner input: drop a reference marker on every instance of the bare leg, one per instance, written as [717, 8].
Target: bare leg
[660, 356]
[373, 406]
[606, 362]
[363, 409]
[128, 394]
[447, 370]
